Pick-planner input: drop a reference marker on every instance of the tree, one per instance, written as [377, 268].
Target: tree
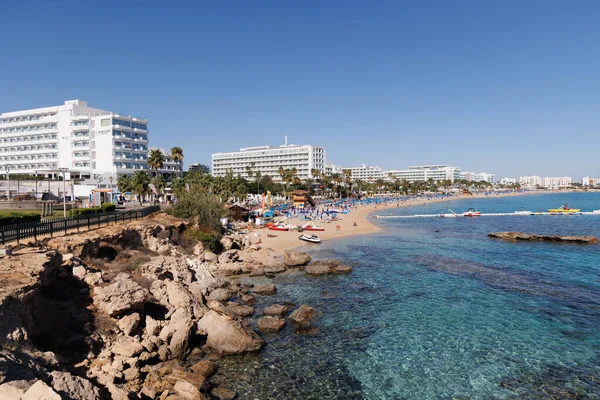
[200, 206]
[141, 184]
[347, 174]
[160, 184]
[337, 179]
[156, 160]
[177, 156]
[124, 183]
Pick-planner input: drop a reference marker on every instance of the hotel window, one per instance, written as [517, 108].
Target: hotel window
[105, 122]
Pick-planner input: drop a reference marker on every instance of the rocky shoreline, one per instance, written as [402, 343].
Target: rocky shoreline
[545, 238]
[127, 312]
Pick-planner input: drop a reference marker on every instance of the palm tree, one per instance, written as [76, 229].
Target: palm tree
[160, 184]
[141, 184]
[176, 155]
[124, 183]
[347, 174]
[337, 179]
[156, 160]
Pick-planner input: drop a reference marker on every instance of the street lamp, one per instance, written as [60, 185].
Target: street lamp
[111, 188]
[63, 170]
[7, 168]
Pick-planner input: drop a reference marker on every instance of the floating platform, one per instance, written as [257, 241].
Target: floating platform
[512, 214]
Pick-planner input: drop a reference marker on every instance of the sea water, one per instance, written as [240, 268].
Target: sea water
[435, 309]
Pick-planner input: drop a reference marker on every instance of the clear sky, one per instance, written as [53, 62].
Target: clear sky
[510, 87]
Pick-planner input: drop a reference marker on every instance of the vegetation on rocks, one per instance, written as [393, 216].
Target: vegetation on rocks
[199, 206]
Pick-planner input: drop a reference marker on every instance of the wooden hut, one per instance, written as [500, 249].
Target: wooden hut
[301, 199]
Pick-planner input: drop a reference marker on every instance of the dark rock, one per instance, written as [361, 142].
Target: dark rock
[303, 315]
[317, 269]
[270, 324]
[547, 238]
[265, 290]
[295, 259]
[276, 310]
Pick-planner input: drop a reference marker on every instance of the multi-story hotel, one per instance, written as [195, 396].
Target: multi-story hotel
[530, 181]
[268, 159]
[196, 167]
[426, 172]
[478, 177]
[86, 141]
[587, 181]
[331, 169]
[546, 182]
[508, 181]
[366, 173]
[170, 167]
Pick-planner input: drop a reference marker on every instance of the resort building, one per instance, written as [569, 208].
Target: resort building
[426, 172]
[587, 181]
[366, 173]
[170, 167]
[331, 169]
[86, 141]
[557, 182]
[508, 181]
[203, 169]
[268, 159]
[530, 181]
[478, 177]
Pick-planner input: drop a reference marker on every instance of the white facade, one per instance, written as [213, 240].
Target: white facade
[508, 181]
[366, 173]
[331, 169]
[587, 181]
[426, 172]
[478, 177]
[87, 141]
[557, 182]
[170, 166]
[268, 159]
[530, 181]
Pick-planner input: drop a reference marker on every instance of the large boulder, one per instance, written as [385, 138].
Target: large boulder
[265, 290]
[204, 367]
[187, 390]
[41, 391]
[276, 310]
[180, 342]
[123, 295]
[226, 335]
[295, 259]
[210, 257]
[220, 294]
[303, 315]
[342, 269]
[229, 256]
[73, 387]
[270, 324]
[128, 323]
[317, 269]
[226, 269]
[127, 347]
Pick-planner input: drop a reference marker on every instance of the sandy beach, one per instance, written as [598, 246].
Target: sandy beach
[359, 215]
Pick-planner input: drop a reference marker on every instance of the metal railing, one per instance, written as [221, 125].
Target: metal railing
[33, 229]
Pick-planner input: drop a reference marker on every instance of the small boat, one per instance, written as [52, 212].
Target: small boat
[471, 213]
[278, 227]
[310, 238]
[564, 209]
[448, 215]
[312, 227]
[596, 212]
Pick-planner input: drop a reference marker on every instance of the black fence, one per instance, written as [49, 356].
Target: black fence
[33, 229]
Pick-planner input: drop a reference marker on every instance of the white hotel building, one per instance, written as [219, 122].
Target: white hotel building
[547, 182]
[87, 141]
[587, 181]
[478, 177]
[426, 172]
[366, 173]
[268, 159]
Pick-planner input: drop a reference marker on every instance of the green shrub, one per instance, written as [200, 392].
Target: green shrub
[108, 207]
[200, 206]
[8, 218]
[86, 211]
[210, 240]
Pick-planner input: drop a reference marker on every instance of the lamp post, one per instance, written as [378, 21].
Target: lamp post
[7, 168]
[63, 170]
[111, 188]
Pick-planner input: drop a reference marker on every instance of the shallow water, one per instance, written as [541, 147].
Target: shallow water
[435, 309]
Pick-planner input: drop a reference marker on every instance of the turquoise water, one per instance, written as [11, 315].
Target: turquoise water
[435, 309]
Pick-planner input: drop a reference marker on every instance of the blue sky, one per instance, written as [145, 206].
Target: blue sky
[510, 87]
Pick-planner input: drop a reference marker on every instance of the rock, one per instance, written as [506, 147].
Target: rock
[123, 295]
[128, 323]
[153, 326]
[295, 259]
[226, 335]
[239, 311]
[79, 272]
[226, 269]
[11, 392]
[548, 238]
[229, 256]
[227, 243]
[220, 294]
[276, 310]
[317, 269]
[41, 391]
[222, 393]
[187, 390]
[205, 368]
[127, 347]
[179, 344]
[270, 324]
[329, 262]
[131, 374]
[199, 249]
[342, 269]
[74, 387]
[248, 298]
[210, 257]
[254, 247]
[265, 290]
[303, 315]
[274, 268]
[93, 278]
